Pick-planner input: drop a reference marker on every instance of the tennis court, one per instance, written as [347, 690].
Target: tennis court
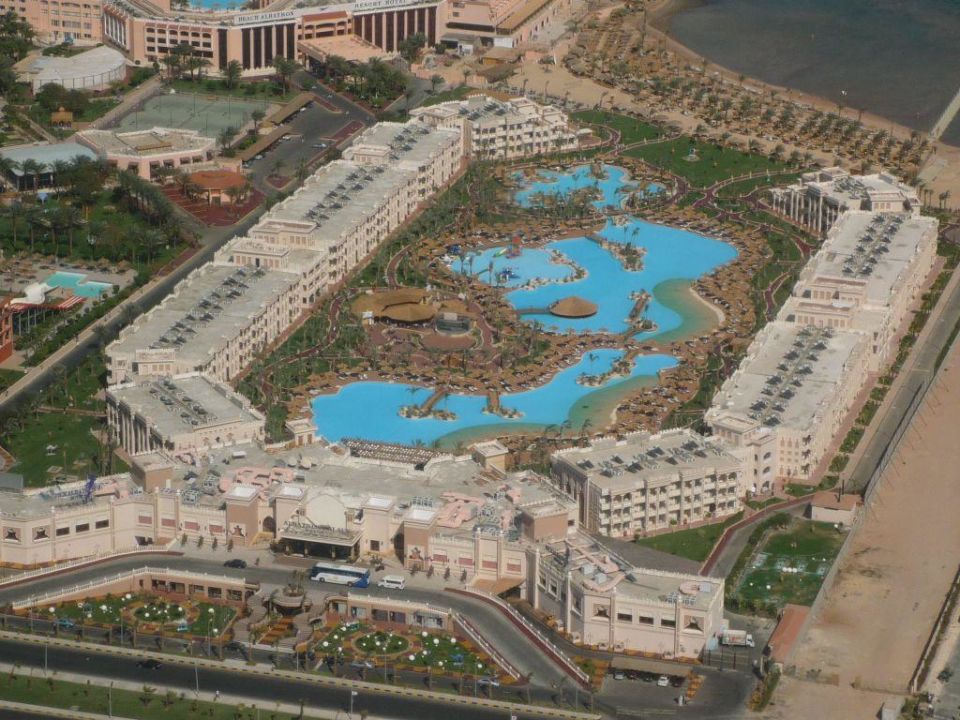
[208, 114]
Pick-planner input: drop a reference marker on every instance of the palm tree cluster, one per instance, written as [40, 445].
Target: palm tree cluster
[375, 82]
[78, 185]
[183, 59]
[620, 53]
[16, 40]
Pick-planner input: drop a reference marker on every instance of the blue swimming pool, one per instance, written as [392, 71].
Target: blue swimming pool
[670, 254]
[79, 284]
[613, 185]
[371, 410]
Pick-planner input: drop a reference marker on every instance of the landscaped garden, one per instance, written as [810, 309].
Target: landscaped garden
[189, 616]
[703, 164]
[631, 129]
[694, 544]
[416, 649]
[789, 566]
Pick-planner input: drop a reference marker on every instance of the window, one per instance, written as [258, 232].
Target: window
[63, 531]
[645, 620]
[601, 611]
[101, 524]
[668, 622]
[83, 527]
[625, 617]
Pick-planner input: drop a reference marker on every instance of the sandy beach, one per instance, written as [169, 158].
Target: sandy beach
[941, 171]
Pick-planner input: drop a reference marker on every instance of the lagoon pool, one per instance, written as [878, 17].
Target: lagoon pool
[79, 284]
[671, 254]
[370, 410]
[613, 186]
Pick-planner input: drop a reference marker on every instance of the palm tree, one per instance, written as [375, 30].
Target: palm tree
[435, 81]
[285, 69]
[257, 116]
[14, 211]
[232, 74]
[226, 137]
[29, 168]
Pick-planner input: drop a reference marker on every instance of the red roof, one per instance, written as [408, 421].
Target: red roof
[217, 179]
[787, 632]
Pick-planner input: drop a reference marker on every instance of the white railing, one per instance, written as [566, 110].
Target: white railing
[541, 638]
[35, 600]
[79, 562]
[478, 639]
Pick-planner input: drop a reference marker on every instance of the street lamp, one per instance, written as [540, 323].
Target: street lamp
[110, 699]
[353, 694]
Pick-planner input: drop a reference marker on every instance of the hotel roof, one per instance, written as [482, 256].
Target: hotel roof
[184, 404]
[789, 376]
[597, 568]
[207, 309]
[642, 458]
[873, 248]
[411, 142]
[856, 191]
[147, 143]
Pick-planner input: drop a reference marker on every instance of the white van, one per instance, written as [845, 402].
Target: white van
[394, 582]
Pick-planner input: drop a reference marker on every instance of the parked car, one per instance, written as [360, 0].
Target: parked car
[663, 681]
[236, 563]
[150, 664]
[491, 681]
[393, 582]
[619, 675]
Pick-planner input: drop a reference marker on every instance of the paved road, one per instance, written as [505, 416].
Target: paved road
[913, 377]
[185, 676]
[307, 128]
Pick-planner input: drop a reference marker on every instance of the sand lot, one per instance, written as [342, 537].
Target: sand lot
[871, 630]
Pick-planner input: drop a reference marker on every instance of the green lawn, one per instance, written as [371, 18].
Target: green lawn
[712, 164]
[125, 703]
[75, 448]
[790, 565]
[631, 130]
[694, 544]
[457, 93]
[743, 187]
[9, 377]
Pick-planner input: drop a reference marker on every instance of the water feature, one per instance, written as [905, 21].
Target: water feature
[371, 410]
[79, 284]
[670, 255]
[613, 186]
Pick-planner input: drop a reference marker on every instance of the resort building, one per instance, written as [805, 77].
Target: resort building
[57, 21]
[504, 23]
[180, 414]
[820, 197]
[797, 382]
[867, 275]
[95, 69]
[498, 532]
[218, 318]
[503, 129]
[643, 482]
[45, 155]
[604, 601]
[214, 321]
[148, 152]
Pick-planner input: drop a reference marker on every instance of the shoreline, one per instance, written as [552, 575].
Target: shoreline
[661, 12]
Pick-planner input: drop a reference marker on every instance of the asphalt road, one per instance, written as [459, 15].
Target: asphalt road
[313, 125]
[922, 371]
[186, 676]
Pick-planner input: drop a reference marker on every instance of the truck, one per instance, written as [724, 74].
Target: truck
[737, 638]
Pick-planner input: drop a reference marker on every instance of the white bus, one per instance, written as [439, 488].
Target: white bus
[340, 574]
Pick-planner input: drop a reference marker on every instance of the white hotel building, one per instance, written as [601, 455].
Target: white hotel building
[503, 129]
[820, 197]
[223, 314]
